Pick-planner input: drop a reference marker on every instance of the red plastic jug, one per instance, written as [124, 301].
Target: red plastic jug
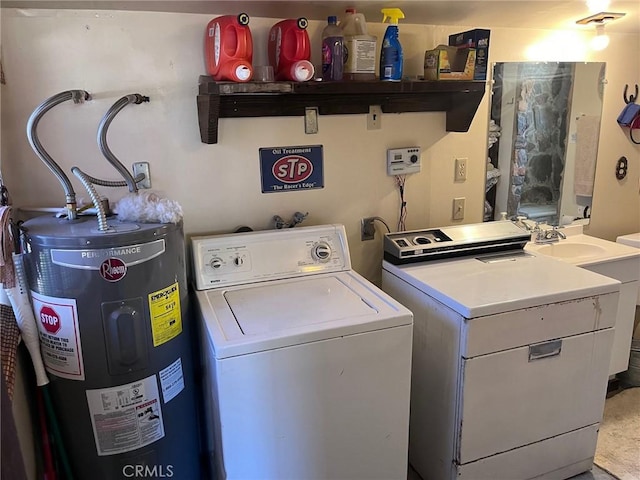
[228, 48]
[290, 50]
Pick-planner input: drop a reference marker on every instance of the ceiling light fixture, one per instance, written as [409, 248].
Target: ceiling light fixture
[601, 40]
[602, 17]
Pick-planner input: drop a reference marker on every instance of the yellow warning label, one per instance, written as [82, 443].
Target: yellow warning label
[166, 319]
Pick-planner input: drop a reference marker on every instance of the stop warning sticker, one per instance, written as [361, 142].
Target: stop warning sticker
[166, 318]
[59, 332]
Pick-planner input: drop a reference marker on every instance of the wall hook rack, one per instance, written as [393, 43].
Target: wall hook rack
[631, 98]
[621, 168]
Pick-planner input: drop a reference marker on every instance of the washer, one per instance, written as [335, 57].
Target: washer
[510, 356]
[306, 364]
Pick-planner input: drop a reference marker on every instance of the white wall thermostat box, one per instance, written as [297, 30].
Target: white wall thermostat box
[403, 161]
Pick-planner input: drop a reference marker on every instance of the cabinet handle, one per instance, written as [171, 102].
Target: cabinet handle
[545, 350]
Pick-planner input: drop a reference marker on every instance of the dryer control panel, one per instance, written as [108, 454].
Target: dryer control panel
[454, 241]
[241, 258]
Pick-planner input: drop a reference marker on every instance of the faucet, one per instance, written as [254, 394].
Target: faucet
[521, 222]
[549, 235]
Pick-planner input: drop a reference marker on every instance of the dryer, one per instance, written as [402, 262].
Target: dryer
[510, 356]
[306, 364]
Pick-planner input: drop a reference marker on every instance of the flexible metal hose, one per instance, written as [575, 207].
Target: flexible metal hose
[113, 183]
[78, 96]
[102, 136]
[95, 198]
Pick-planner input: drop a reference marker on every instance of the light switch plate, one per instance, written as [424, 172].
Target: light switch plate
[310, 120]
[374, 119]
[458, 208]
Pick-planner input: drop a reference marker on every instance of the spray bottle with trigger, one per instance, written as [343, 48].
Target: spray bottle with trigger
[391, 51]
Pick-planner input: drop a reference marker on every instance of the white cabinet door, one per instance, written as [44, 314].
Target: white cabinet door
[555, 458]
[523, 395]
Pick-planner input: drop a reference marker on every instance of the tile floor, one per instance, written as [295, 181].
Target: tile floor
[596, 473]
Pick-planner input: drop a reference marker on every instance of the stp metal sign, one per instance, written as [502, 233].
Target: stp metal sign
[286, 169]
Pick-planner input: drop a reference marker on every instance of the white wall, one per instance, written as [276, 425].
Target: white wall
[616, 203]
[585, 102]
[113, 53]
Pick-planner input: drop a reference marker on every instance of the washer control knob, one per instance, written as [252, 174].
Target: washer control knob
[321, 252]
[238, 261]
[215, 263]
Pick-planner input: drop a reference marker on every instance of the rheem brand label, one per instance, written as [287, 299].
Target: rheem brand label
[286, 169]
[113, 269]
[57, 320]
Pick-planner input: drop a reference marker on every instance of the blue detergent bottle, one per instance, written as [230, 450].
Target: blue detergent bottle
[391, 52]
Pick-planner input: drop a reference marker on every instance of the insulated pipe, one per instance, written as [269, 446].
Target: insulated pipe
[95, 198]
[102, 136]
[78, 96]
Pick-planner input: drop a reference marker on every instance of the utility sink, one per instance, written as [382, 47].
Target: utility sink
[583, 250]
[611, 259]
[572, 250]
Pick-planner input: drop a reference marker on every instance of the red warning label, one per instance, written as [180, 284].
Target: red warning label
[59, 335]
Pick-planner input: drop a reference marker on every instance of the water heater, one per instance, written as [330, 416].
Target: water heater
[116, 340]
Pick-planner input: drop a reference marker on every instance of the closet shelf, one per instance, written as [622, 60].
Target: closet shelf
[459, 99]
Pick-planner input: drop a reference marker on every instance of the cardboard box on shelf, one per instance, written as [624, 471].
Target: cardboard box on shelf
[449, 63]
[478, 39]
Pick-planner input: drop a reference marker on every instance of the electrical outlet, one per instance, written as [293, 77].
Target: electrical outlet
[142, 167]
[461, 170]
[458, 208]
[367, 229]
[374, 119]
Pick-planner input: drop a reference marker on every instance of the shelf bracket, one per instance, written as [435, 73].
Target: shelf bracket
[209, 114]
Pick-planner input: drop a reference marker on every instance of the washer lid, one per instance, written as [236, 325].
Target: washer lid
[273, 308]
[247, 319]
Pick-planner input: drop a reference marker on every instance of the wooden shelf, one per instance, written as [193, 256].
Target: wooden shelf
[459, 99]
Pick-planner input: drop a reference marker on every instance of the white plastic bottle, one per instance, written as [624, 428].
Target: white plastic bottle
[360, 48]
